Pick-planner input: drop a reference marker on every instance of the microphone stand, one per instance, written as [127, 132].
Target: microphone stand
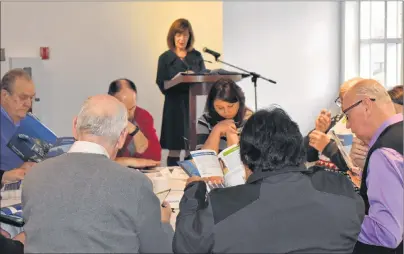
[254, 77]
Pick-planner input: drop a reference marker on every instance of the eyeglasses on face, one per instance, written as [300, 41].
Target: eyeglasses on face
[353, 106]
[338, 102]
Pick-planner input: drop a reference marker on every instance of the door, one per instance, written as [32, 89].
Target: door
[34, 66]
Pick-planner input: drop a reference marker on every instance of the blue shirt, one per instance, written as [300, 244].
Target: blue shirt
[8, 159]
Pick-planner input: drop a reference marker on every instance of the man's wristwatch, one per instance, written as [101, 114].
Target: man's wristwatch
[133, 133]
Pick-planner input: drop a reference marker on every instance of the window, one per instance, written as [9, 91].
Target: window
[374, 30]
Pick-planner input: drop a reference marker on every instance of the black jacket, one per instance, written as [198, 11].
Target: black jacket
[9, 246]
[291, 211]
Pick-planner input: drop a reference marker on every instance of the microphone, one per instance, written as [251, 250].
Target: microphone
[213, 53]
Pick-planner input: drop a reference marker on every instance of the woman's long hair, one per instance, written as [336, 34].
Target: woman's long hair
[226, 90]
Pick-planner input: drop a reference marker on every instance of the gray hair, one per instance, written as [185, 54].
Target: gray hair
[103, 119]
[8, 80]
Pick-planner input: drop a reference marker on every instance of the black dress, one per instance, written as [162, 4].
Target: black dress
[175, 124]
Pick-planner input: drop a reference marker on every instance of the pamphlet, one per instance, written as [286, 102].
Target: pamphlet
[341, 148]
[223, 170]
[35, 142]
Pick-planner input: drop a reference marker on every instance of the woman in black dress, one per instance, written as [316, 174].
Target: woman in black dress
[180, 57]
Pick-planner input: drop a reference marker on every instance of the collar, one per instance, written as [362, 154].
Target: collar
[259, 175]
[4, 113]
[88, 147]
[392, 120]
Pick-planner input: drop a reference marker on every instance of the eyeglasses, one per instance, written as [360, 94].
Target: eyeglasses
[338, 102]
[353, 106]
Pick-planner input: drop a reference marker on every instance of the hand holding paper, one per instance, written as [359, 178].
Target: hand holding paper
[166, 212]
[223, 170]
[318, 140]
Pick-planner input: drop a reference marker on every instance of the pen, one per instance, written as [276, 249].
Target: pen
[172, 209]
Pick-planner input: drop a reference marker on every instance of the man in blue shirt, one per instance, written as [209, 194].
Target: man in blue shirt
[17, 93]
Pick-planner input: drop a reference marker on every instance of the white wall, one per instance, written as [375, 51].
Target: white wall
[93, 43]
[293, 43]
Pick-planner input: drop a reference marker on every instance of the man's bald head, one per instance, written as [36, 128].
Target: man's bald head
[367, 105]
[348, 84]
[102, 116]
[368, 88]
[125, 91]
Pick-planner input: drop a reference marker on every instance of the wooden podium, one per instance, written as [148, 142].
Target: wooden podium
[199, 84]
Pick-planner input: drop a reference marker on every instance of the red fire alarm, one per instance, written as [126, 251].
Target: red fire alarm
[44, 51]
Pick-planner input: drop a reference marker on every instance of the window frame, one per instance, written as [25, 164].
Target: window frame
[359, 42]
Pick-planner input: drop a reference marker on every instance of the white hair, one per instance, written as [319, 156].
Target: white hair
[102, 121]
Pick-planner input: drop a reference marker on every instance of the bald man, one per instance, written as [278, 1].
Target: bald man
[372, 117]
[83, 201]
[142, 147]
[318, 140]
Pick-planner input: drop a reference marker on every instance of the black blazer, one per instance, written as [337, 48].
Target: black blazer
[170, 64]
[11, 246]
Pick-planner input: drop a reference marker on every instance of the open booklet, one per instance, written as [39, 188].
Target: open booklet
[225, 167]
[343, 150]
[35, 142]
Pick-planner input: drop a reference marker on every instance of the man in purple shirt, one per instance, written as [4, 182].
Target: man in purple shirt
[372, 117]
[17, 93]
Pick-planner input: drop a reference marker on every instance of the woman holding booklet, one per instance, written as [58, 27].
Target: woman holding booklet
[225, 115]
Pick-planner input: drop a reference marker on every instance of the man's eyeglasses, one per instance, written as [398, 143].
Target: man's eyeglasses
[354, 105]
[338, 102]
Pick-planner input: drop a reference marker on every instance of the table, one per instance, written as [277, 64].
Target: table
[173, 178]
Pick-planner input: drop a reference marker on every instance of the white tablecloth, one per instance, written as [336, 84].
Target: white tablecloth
[173, 178]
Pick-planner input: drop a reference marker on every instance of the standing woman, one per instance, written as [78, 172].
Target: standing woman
[180, 57]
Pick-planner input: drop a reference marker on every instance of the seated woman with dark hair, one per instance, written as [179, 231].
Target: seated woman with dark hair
[224, 116]
[282, 208]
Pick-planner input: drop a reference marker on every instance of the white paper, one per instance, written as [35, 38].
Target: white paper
[341, 148]
[207, 163]
[233, 168]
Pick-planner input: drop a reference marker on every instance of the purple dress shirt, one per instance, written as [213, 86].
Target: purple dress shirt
[383, 226]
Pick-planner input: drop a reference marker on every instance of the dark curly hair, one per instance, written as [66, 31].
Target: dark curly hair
[271, 140]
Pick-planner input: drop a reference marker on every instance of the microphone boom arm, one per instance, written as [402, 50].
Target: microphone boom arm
[254, 76]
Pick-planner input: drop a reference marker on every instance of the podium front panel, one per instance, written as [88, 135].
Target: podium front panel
[197, 92]
[199, 84]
